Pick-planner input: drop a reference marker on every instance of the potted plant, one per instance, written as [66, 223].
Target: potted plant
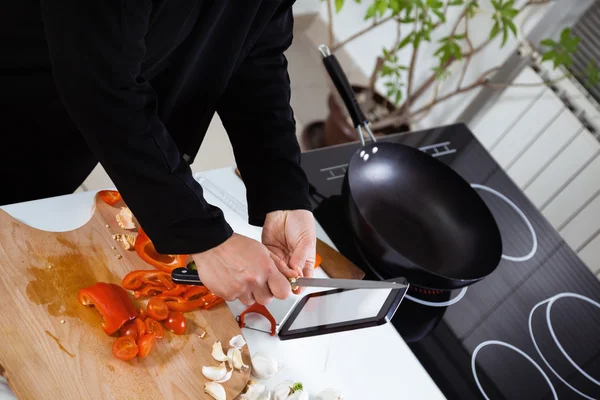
[416, 21]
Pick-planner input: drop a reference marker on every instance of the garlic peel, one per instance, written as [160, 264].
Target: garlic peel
[217, 352]
[301, 395]
[329, 394]
[215, 390]
[230, 357]
[214, 373]
[264, 365]
[282, 391]
[237, 341]
[256, 391]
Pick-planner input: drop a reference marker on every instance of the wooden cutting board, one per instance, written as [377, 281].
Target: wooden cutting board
[52, 347]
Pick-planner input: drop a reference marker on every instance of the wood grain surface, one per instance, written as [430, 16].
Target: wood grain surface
[336, 265]
[52, 347]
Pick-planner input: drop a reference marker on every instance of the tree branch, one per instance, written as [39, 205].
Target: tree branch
[413, 61]
[330, 25]
[468, 56]
[361, 32]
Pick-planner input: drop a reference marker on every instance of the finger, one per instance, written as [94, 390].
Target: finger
[303, 254]
[283, 267]
[247, 299]
[279, 285]
[262, 294]
[307, 272]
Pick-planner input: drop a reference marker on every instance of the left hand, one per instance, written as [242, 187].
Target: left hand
[291, 239]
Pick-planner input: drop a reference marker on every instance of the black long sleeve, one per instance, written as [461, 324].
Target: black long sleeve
[97, 50]
[255, 110]
[126, 70]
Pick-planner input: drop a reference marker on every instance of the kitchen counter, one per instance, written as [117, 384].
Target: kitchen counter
[371, 363]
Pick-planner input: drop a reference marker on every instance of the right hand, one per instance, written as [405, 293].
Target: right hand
[241, 268]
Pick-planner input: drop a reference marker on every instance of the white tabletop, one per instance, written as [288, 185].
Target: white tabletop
[371, 363]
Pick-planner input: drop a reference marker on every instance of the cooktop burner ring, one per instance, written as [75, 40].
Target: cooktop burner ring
[513, 348]
[523, 217]
[441, 303]
[550, 302]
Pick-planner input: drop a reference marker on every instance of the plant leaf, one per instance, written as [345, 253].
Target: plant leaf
[338, 5]
[504, 35]
[495, 30]
[549, 55]
[593, 74]
[370, 13]
[440, 15]
[565, 35]
[406, 40]
[456, 3]
[548, 42]
[511, 25]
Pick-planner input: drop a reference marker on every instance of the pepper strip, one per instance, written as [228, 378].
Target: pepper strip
[164, 262]
[112, 301]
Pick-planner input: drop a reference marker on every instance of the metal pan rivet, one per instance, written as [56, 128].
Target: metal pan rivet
[375, 150]
[362, 154]
[366, 157]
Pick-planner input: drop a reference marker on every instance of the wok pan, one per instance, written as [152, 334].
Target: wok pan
[411, 215]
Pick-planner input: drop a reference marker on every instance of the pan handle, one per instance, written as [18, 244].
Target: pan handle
[335, 71]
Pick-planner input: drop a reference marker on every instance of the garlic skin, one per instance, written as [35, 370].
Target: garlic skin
[329, 394]
[300, 395]
[217, 352]
[215, 390]
[214, 373]
[264, 366]
[226, 377]
[237, 341]
[282, 391]
[255, 391]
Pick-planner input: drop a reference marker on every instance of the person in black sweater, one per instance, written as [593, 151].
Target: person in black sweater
[134, 85]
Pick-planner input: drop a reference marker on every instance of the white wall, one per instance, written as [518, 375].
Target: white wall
[364, 50]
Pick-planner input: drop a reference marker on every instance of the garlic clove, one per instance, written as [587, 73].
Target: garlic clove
[215, 390]
[329, 394]
[237, 341]
[236, 358]
[226, 377]
[264, 365]
[230, 357]
[255, 391]
[215, 373]
[282, 391]
[217, 352]
[301, 395]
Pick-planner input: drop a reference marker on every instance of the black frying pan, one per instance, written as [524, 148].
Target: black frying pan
[412, 215]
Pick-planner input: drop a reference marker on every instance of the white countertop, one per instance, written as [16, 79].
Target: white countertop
[371, 363]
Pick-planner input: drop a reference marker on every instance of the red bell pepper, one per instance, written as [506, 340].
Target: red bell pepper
[195, 291]
[136, 279]
[262, 310]
[164, 262]
[206, 302]
[112, 301]
[110, 197]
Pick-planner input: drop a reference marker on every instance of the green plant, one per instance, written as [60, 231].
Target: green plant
[421, 18]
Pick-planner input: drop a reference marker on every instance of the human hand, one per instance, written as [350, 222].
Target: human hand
[241, 268]
[291, 239]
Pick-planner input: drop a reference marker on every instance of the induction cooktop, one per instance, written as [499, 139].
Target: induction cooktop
[530, 330]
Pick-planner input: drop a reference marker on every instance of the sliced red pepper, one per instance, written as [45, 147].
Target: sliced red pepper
[136, 279]
[178, 290]
[147, 291]
[195, 291]
[110, 197]
[207, 302]
[168, 298]
[111, 301]
[164, 262]
[318, 260]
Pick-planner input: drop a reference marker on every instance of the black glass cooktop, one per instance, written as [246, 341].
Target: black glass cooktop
[530, 330]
